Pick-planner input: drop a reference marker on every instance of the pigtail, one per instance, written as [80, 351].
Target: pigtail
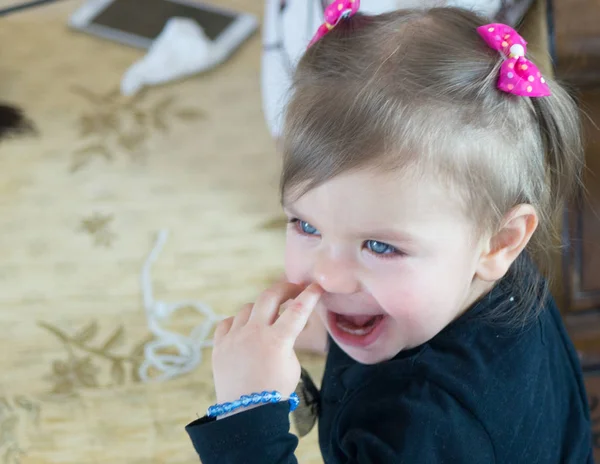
[560, 132]
[558, 120]
[557, 117]
[531, 277]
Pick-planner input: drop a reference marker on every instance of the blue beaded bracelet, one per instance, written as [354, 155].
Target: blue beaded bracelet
[251, 400]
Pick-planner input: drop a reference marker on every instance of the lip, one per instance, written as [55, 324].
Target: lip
[361, 341]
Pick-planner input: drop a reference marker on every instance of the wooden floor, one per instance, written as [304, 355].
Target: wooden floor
[81, 203]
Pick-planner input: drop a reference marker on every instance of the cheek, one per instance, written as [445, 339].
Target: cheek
[420, 293]
[297, 261]
[401, 294]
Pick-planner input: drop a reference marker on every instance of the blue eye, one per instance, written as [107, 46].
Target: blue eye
[307, 229]
[380, 248]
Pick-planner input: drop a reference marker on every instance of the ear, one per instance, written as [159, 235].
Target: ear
[507, 243]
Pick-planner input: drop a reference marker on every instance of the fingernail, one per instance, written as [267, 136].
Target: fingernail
[316, 287]
[314, 292]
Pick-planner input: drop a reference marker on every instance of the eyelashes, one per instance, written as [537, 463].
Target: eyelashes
[380, 248]
[304, 227]
[374, 247]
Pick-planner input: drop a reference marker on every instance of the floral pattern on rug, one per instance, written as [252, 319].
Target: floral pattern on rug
[92, 361]
[113, 124]
[19, 415]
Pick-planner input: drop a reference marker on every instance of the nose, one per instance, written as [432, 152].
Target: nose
[335, 274]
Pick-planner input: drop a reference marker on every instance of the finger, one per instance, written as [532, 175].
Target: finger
[222, 329]
[293, 320]
[282, 308]
[242, 316]
[267, 305]
[287, 303]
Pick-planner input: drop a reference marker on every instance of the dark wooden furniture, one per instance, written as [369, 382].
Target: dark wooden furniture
[575, 47]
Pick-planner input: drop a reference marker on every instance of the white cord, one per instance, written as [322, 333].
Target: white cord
[188, 348]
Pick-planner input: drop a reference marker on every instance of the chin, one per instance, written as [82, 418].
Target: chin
[376, 353]
[364, 356]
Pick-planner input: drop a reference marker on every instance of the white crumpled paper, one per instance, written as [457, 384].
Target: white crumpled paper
[180, 50]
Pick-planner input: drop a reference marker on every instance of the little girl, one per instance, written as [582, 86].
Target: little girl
[425, 158]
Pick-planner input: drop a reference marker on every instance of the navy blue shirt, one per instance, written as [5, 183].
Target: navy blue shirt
[478, 392]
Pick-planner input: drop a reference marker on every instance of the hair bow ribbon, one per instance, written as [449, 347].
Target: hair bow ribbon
[518, 75]
[333, 14]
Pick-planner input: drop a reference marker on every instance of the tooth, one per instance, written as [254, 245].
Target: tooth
[355, 331]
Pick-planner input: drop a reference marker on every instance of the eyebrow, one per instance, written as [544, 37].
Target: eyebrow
[390, 235]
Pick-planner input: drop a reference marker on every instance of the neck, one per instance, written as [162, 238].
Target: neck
[477, 290]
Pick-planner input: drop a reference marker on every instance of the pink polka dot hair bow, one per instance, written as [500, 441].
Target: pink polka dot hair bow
[518, 75]
[334, 13]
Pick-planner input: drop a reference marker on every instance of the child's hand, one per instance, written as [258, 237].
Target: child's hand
[254, 351]
[313, 338]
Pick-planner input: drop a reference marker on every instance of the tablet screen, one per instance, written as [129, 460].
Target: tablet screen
[147, 18]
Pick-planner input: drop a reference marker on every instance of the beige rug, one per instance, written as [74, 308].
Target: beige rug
[80, 206]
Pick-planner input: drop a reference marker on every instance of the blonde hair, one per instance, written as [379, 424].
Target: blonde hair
[418, 89]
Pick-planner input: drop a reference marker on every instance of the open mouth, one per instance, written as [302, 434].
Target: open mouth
[356, 330]
[357, 325]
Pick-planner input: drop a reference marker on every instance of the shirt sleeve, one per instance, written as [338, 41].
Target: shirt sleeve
[260, 435]
[423, 424]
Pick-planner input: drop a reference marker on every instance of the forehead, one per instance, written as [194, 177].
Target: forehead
[372, 199]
